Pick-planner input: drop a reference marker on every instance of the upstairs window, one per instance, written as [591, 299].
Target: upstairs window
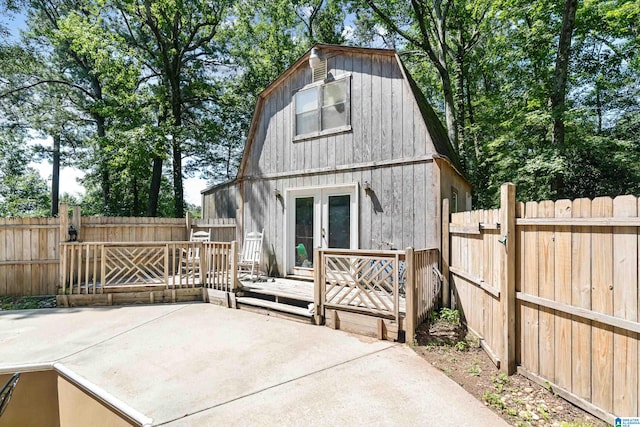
[322, 109]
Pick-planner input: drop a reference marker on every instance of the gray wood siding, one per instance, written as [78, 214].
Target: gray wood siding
[385, 120]
[400, 210]
[221, 202]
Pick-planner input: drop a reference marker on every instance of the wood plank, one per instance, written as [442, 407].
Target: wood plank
[492, 273]
[623, 324]
[446, 254]
[507, 276]
[625, 305]
[581, 297]
[583, 222]
[546, 290]
[479, 282]
[3, 257]
[562, 293]
[602, 302]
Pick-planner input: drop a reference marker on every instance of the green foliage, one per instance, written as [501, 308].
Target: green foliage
[22, 191]
[493, 400]
[450, 316]
[127, 85]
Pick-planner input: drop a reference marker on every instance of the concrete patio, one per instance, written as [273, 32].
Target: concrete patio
[201, 364]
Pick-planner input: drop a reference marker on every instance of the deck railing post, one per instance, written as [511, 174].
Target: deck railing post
[410, 298]
[318, 285]
[233, 276]
[103, 269]
[508, 275]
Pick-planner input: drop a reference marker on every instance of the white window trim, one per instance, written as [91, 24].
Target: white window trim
[321, 191]
[325, 132]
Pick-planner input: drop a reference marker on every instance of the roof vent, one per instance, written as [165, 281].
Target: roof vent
[318, 65]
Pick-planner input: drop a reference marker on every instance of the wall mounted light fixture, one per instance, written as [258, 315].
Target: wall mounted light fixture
[277, 194]
[366, 186]
[314, 58]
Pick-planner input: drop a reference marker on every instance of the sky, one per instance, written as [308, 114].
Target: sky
[69, 176]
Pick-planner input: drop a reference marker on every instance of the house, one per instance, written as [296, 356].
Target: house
[343, 152]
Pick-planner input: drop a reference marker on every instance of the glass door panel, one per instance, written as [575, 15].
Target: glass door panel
[304, 227]
[339, 221]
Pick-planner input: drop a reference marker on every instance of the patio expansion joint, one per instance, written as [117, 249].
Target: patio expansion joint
[119, 334]
[274, 386]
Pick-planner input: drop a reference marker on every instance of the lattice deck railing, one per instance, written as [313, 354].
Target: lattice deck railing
[92, 267]
[391, 284]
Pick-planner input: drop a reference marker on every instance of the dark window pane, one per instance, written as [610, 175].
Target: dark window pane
[340, 222]
[304, 232]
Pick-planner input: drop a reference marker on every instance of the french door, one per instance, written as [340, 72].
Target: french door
[325, 217]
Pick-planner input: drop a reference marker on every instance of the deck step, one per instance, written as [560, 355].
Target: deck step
[275, 306]
[277, 293]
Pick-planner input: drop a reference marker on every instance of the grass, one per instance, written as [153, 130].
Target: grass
[24, 303]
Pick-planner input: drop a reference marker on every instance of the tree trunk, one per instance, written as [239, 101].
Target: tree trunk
[136, 197]
[460, 81]
[178, 191]
[154, 189]
[558, 95]
[55, 176]
[103, 167]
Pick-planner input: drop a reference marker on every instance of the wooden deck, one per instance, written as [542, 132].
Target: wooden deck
[279, 287]
[295, 289]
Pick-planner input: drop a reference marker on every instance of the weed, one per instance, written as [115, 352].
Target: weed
[450, 316]
[525, 415]
[475, 370]
[502, 378]
[512, 412]
[493, 400]
[461, 345]
[542, 410]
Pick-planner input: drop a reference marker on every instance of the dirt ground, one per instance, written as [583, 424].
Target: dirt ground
[521, 402]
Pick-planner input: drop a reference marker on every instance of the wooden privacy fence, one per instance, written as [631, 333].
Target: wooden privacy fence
[29, 247]
[402, 286]
[29, 256]
[93, 268]
[568, 274]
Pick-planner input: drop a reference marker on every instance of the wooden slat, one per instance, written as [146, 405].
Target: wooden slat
[582, 222]
[581, 297]
[562, 293]
[605, 319]
[625, 306]
[546, 263]
[479, 282]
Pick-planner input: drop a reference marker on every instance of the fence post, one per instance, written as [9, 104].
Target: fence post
[411, 303]
[446, 217]
[77, 220]
[188, 220]
[63, 221]
[63, 216]
[508, 276]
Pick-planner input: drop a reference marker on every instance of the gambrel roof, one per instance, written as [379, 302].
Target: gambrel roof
[432, 123]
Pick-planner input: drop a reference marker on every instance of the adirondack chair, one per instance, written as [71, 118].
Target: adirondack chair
[192, 255]
[250, 257]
